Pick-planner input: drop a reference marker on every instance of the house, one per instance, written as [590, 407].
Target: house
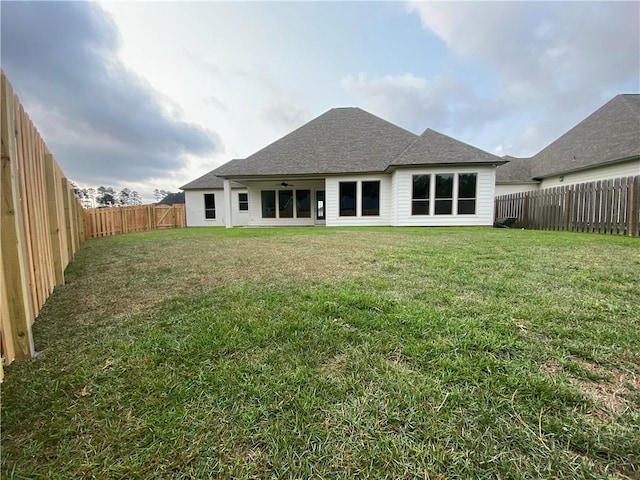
[172, 199]
[205, 202]
[348, 167]
[603, 146]
[515, 176]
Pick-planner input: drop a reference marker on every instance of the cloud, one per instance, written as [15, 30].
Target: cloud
[102, 122]
[417, 102]
[557, 52]
[517, 75]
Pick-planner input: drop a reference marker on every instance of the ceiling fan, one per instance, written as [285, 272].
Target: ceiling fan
[285, 184]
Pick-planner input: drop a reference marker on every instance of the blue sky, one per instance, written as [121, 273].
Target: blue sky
[154, 94]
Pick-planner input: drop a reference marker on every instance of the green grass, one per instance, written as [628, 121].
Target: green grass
[334, 353]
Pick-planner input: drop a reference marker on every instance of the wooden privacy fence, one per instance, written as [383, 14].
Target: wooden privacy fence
[42, 226]
[607, 206]
[104, 222]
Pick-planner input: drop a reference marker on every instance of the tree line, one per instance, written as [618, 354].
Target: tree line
[108, 197]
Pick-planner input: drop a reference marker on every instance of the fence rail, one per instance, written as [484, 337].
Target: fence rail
[104, 222]
[607, 206]
[43, 225]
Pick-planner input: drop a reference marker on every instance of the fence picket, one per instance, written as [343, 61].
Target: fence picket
[104, 222]
[606, 206]
[36, 216]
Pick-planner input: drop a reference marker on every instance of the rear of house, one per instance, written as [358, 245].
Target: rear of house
[348, 168]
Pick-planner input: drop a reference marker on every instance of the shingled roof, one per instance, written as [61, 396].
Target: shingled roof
[433, 148]
[518, 170]
[342, 140]
[609, 135]
[209, 181]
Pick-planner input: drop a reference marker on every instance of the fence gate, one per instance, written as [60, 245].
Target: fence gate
[165, 216]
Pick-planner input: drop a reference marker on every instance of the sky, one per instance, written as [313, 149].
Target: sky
[151, 95]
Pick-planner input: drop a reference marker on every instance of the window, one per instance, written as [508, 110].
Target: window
[467, 193]
[268, 204]
[243, 202]
[371, 198]
[420, 194]
[209, 206]
[303, 203]
[347, 199]
[439, 190]
[280, 203]
[444, 194]
[285, 203]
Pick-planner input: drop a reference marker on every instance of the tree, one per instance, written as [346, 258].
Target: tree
[124, 197]
[129, 197]
[106, 197]
[136, 199]
[160, 194]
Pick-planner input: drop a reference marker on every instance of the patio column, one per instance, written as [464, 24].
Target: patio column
[228, 221]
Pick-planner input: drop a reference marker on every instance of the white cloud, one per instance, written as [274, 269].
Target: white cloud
[411, 101]
[536, 69]
[558, 52]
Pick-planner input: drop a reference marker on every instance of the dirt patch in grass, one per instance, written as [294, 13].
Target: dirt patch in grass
[610, 390]
[611, 394]
[336, 366]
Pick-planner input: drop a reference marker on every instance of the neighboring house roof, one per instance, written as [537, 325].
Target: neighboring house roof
[209, 181]
[342, 140]
[609, 135]
[518, 170]
[433, 148]
[172, 199]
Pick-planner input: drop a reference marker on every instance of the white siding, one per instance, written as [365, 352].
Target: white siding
[484, 200]
[255, 202]
[194, 205]
[625, 169]
[333, 203]
[508, 188]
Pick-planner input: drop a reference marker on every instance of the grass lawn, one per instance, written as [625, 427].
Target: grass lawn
[334, 353]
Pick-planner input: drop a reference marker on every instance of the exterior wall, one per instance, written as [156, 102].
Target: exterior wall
[484, 197]
[386, 216]
[194, 204]
[255, 202]
[624, 169]
[508, 188]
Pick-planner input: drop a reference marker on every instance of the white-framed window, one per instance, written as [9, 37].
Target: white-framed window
[444, 194]
[368, 193]
[467, 193]
[209, 206]
[243, 202]
[286, 203]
